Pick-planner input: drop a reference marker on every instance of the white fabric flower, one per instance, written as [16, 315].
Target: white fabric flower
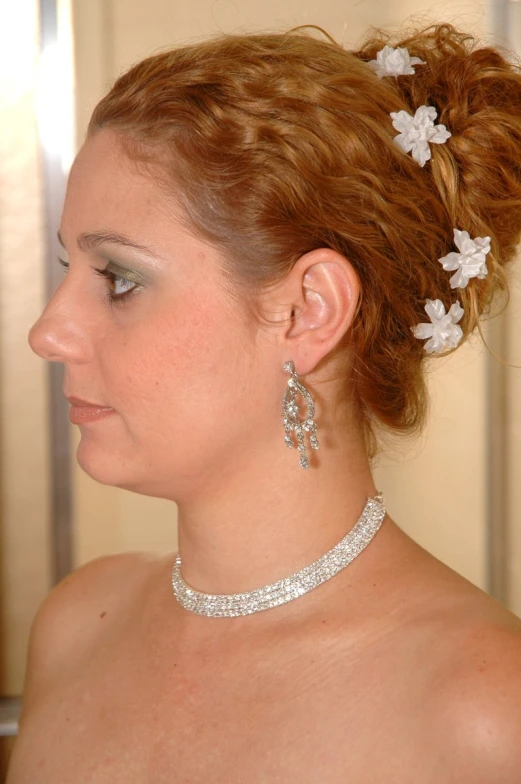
[470, 262]
[416, 133]
[443, 330]
[394, 62]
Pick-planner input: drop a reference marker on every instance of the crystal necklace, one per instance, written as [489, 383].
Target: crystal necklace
[232, 604]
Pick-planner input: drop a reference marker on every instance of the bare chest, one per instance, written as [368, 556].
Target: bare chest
[133, 715]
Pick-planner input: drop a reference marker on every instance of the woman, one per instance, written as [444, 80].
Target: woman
[257, 220]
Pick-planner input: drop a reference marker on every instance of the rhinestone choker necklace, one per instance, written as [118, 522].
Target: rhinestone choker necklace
[229, 605]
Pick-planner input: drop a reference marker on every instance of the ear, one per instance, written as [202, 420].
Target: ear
[322, 291]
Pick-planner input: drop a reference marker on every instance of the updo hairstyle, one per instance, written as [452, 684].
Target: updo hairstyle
[277, 144]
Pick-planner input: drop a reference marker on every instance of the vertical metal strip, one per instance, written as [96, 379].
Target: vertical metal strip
[54, 180]
[497, 426]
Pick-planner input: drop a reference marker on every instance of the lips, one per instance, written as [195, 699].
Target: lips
[76, 401]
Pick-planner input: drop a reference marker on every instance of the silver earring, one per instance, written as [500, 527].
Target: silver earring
[290, 410]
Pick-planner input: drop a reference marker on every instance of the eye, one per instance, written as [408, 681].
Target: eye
[113, 298]
[114, 279]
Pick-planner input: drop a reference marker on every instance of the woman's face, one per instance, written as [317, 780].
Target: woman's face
[191, 384]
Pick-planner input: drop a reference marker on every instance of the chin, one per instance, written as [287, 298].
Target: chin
[107, 469]
[100, 468]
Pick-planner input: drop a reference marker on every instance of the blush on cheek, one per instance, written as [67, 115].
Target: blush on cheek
[176, 355]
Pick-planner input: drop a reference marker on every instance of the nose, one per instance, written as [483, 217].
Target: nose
[57, 335]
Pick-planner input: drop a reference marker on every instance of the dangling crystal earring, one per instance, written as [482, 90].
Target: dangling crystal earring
[290, 410]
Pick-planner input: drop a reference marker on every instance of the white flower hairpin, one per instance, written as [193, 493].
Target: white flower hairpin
[416, 133]
[443, 330]
[470, 262]
[394, 62]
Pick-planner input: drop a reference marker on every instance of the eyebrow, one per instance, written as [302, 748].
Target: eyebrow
[92, 239]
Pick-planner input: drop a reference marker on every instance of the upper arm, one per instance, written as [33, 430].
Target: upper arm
[478, 710]
[69, 618]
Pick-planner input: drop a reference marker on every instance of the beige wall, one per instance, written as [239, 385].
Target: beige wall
[435, 488]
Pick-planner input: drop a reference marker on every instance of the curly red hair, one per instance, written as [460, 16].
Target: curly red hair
[283, 143]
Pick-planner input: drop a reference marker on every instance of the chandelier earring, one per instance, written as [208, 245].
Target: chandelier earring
[290, 411]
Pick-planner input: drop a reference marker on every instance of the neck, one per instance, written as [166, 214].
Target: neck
[269, 522]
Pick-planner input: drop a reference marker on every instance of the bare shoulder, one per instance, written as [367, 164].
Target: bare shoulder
[468, 661]
[107, 576]
[469, 646]
[95, 589]
[475, 705]
[78, 609]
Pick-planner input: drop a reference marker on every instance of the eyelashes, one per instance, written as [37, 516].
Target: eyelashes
[112, 278]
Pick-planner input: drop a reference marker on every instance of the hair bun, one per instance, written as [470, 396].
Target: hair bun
[476, 91]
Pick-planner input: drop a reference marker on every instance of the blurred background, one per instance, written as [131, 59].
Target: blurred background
[456, 490]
